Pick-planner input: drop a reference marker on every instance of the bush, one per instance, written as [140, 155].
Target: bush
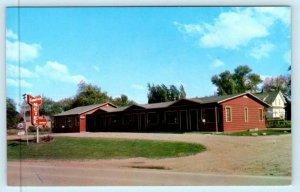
[278, 124]
[44, 129]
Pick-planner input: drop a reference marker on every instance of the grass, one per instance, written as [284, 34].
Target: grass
[260, 132]
[96, 148]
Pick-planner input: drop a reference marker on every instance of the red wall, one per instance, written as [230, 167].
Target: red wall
[237, 110]
[83, 116]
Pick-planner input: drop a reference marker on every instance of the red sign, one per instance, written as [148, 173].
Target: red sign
[35, 103]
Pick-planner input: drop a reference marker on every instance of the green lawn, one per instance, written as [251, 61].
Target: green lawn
[260, 132]
[96, 148]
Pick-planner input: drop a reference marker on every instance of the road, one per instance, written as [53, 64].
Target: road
[47, 175]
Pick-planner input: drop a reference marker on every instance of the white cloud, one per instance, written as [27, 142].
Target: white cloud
[217, 63]
[138, 87]
[262, 50]
[15, 71]
[17, 83]
[287, 57]
[28, 52]
[96, 68]
[11, 34]
[59, 72]
[188, 28]
[237, 27]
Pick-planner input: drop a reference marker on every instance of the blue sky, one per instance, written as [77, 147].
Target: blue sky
[122, 49]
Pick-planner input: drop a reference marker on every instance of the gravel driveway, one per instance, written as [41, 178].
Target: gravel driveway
[233, 155]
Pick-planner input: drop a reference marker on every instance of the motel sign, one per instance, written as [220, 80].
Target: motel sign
[35, 103]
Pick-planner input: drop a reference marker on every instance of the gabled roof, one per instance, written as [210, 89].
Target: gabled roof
[82, 109]
[269, 97]
[223, 98]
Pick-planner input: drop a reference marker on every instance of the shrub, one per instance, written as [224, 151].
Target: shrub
[278, 123]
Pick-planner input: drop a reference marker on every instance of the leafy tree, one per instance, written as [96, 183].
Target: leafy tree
[12, 115]
[50, 107]
[88, 94]
[161, 93]
[238, 82]
[122, 101]
[66, 103]
[280, 83]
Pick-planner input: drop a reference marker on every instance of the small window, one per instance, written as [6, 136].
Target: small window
[228, 114]
[261, 115]
[246, 114]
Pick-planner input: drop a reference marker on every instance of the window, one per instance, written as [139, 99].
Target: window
[127, 119]
[152, 118]
[246, 114]
[228, 114]
[77, 121]
[261, 115]
[208, 115]
[171, 117]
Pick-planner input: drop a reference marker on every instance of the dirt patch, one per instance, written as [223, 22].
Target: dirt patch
[245, 155]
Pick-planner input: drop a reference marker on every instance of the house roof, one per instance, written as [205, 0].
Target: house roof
[268, 97]
[82, 109]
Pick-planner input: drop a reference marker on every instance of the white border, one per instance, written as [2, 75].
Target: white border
[295, 92]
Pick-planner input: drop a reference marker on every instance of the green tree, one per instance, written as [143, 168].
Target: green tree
[12, 115]
[122, 101]
[161, 93]
[88, 94]
[238, 82]
[280, 83]
[50, 107]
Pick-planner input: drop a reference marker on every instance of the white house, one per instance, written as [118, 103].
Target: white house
[278, 102]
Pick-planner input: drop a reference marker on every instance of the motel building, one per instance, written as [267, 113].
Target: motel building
[228, 113]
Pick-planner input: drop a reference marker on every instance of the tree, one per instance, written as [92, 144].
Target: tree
[88, 94]
[238, 82]
[50, 107]
[122, 101]
[280, 83]
[12, 115]
[66, 103]
[161, 93]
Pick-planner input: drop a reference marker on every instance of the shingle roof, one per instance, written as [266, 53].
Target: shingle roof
[80, 110]
[214, 99]
[267, 97]
[157, 105]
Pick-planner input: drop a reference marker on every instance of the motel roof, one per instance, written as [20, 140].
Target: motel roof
[82, 109]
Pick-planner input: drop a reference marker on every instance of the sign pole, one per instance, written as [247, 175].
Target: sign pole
[37, 134]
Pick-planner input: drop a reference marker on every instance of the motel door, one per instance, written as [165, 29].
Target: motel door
[135, 123]
[143, 121]
[183, 121]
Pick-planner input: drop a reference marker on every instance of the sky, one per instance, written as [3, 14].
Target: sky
[121, 49]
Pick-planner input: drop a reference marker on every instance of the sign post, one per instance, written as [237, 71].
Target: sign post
[36, 120]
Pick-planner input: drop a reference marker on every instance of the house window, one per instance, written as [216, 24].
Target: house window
[246, 114]
[228, 114]
[171, 117]
[261, 115]
[152, 118]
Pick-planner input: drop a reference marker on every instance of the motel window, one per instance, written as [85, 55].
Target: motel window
[228, 114]
[261, 114]
[171, 117]
[246, 111]
[152, 118]
[76, 121]
[69, 122]
[127, 119]
[208, 115]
